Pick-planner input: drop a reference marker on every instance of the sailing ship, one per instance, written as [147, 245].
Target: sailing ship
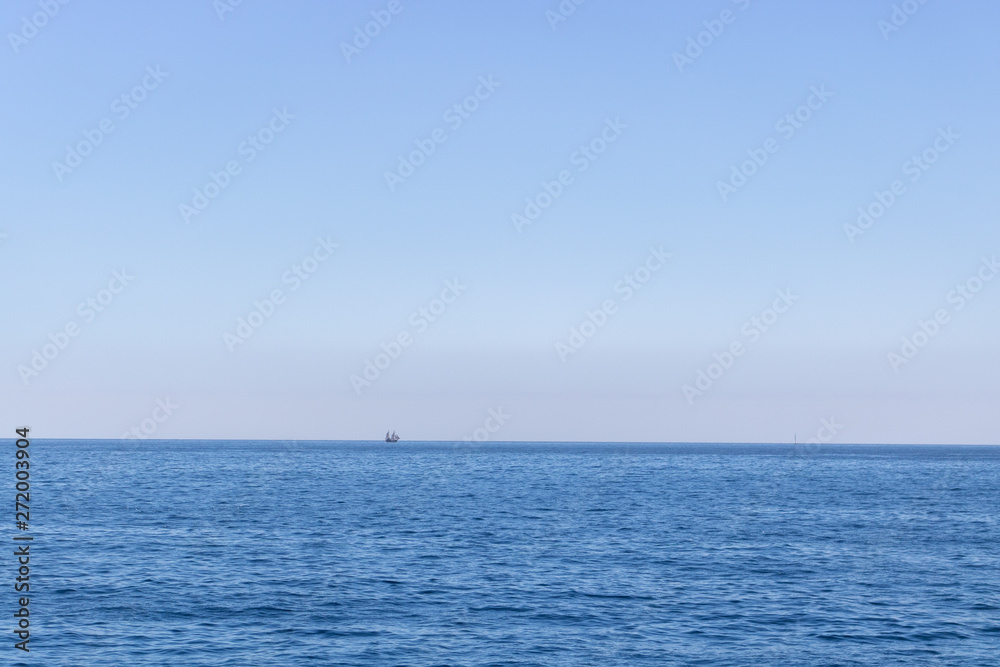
[391, 438]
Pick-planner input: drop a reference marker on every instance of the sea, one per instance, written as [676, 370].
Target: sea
[438, 553]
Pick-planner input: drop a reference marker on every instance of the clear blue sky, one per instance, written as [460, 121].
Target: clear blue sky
[344, 121]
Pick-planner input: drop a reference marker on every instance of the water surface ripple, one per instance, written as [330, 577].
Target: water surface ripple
[347, 553]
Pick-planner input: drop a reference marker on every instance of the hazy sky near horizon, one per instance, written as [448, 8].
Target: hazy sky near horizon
[370, 177]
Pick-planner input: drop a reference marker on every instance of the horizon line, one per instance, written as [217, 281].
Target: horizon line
[542, 442]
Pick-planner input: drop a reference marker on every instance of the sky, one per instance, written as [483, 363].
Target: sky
[725, 221]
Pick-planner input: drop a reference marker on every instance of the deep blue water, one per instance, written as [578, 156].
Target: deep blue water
[293, 553]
